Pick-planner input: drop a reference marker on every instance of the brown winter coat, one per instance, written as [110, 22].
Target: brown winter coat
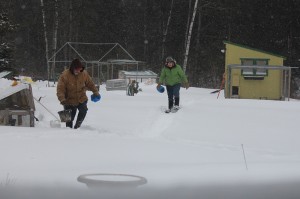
[71, 89]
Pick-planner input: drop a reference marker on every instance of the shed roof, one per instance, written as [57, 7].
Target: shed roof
[12, 89]
[258, 50]
[17, 97]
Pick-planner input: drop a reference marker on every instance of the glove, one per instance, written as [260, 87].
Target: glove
[95, 97]
[158, 85]
[63, 102]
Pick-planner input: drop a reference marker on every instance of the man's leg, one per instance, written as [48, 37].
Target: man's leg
[82, 108]
[73, 113]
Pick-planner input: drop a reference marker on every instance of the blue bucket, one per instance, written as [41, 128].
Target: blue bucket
[161, 89]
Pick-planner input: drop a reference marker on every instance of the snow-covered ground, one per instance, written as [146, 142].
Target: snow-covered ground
[209, 142]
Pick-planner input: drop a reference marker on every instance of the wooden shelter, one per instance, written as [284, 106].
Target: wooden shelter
[17, 106]
[255, 74]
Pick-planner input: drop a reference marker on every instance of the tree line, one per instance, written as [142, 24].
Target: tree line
[150, 30]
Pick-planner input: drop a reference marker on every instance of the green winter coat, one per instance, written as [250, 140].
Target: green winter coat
[172, 76]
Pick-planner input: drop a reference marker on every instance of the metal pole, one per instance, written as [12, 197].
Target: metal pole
[98, 73]
[285, 87]
[107, 52]
[229, 80]
[107, 71]
[93, 71]
[137, 69]
[244, 157]
[112, 71]
[282, 84]
[289, 84]
[46, 109]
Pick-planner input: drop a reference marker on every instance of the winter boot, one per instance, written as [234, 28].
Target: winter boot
[69, 124]
[171, 104]
[81, 115]
[78, 124]
[168, 111]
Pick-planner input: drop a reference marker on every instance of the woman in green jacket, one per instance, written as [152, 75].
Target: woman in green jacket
[172, 75]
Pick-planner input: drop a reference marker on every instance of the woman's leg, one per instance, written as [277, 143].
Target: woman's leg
[170, 96]
[176, 89]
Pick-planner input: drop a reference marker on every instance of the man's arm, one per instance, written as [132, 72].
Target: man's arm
[61, 89]
[91, 85]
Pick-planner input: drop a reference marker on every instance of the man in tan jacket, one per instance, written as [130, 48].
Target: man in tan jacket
[71, 91]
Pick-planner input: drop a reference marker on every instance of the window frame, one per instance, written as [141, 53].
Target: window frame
[254, 72]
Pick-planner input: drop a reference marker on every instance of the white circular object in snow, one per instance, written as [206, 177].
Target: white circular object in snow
[111, 180]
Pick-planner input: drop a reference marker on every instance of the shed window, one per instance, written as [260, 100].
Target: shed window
[248, 71]
[261, 62]
[247, 62]
[254, 61]
[261, 71]
[254, 71]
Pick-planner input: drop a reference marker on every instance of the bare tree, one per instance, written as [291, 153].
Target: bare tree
[69, 30]
[187, 48]
[145, 29]
[46, 40]
[188, 23]
[70, 20]
[199, 28]
[54, 44]
[165, 32]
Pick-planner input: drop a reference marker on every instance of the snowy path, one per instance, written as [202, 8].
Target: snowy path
[198, 145]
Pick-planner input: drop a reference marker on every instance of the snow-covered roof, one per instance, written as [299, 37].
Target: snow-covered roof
[123, 61]
[6, 89]
[139, 73]
[4, 73]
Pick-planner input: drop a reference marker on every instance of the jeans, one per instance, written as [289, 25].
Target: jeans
[173, 95]
[82, 110]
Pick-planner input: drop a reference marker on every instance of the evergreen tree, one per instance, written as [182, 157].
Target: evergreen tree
[6, 44]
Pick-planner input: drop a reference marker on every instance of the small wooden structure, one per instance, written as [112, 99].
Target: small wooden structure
[139, 76]
[116, 84]
[17, 106]
[255, 74]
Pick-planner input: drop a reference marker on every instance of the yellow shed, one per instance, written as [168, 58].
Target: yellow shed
[255, 74]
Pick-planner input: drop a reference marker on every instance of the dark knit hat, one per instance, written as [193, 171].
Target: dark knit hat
[76, 64]
[170, 59]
